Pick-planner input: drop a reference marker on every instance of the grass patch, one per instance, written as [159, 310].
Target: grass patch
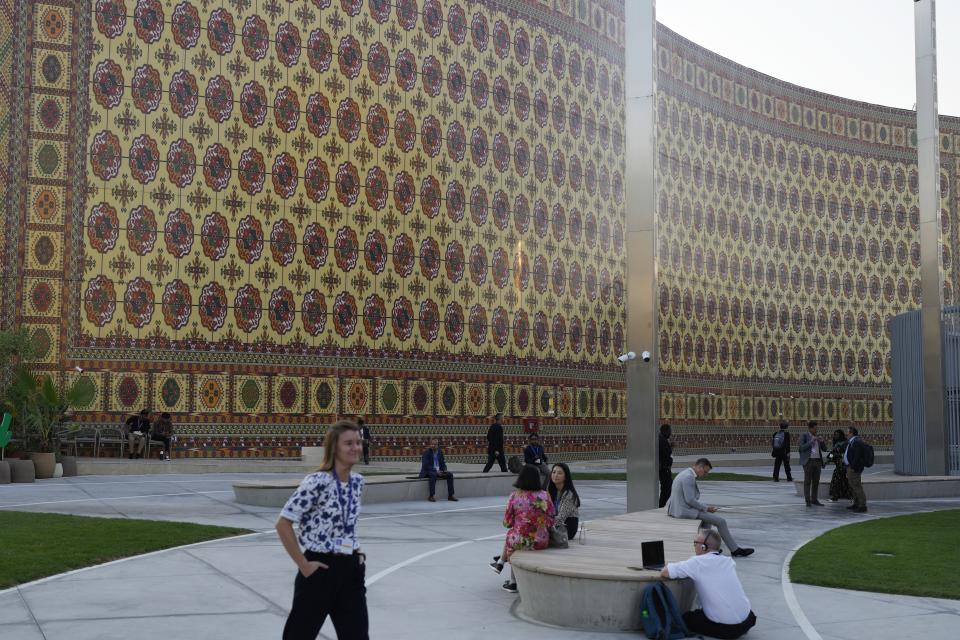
[35, 545]
[728, 477]
[914, 555]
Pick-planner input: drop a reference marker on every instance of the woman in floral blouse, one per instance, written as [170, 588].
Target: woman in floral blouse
[529, 516]
[325, 548]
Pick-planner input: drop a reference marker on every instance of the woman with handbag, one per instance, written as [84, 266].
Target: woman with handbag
[839, 486]
[566, 502]
[529, 516]
[331, 576]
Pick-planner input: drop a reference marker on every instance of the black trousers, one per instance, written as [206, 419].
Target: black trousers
[499, 457]
[432, 479]
[338, 592]
[573, 525]
[164, 439]
[666, 485]
[698, 622]
[784, 459]
[366, 452]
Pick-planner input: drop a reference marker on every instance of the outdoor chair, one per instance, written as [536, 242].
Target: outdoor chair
[113, 436]
[82, 435]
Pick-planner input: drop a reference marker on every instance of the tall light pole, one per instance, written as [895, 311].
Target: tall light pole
[641, 276]
[931, 251]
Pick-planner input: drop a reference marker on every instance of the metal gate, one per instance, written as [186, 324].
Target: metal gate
[951, 364]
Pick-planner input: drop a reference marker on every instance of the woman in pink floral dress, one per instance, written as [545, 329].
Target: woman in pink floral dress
[529, 516]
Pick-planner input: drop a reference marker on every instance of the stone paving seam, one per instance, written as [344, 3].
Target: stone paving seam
[273, 607]
[27, 607]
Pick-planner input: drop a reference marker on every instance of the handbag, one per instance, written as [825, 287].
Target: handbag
[558, 536]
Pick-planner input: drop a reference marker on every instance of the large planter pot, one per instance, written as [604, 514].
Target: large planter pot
[4, 472]
[22, 471]
[69, 466]
[45, 464]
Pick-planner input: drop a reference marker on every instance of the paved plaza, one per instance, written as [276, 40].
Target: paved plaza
[427, 573]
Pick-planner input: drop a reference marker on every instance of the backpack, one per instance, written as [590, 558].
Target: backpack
[867, 454]
[514, 465]
[660, 614]
[779, 439]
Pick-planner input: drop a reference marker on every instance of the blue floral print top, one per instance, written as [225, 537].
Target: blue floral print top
[325, 513]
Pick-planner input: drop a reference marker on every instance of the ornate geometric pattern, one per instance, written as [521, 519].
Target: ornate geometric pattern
[787, 237]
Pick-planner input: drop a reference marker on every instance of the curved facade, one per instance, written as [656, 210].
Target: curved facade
[257, 215]
[787, 238]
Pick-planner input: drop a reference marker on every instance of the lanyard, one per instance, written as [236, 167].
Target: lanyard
[344, 509]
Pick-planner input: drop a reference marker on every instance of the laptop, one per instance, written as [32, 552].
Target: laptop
[652, 552]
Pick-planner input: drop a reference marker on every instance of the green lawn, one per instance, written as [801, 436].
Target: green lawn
[914, 555]
[730, 477]
[35, 545]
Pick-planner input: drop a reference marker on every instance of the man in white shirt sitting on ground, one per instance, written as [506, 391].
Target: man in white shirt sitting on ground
[726, 611]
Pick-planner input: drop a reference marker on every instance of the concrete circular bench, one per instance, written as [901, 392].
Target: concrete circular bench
[597, 585]
[377, 489]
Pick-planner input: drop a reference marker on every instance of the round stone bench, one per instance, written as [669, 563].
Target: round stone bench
[385, 488]
[597, 586]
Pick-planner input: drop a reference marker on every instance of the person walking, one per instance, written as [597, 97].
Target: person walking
[331, 567]
[495, 445]
[665, 455]
[853, 462]
[366, 439]
[811, 459]
[839, 487]
[685, 503]
[781, 452]
[529, 516]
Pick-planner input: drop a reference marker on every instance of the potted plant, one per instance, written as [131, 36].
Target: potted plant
[4, 441]
[41, 405]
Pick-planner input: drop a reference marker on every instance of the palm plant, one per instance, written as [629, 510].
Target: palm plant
[39, 405]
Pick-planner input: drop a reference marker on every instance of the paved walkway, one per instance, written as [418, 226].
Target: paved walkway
[427, 574]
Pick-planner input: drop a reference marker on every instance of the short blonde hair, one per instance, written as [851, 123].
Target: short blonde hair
[332, 440]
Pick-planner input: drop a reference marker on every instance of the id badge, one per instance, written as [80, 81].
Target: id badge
[343, 546]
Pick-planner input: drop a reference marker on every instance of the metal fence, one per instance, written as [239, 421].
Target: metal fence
[909, 419]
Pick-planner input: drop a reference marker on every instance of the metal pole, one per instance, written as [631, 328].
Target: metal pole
[931, 270]
[641, 277]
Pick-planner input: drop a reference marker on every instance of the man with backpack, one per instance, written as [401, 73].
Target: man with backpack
[726, 610]
[858, 455]
[781, 452]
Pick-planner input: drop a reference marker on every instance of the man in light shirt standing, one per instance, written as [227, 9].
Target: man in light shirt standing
[726, 611]
[811, 459]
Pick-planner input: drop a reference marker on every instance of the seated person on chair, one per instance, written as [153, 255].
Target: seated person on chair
[433, 466]
[162, 432]
[137, 430]
[685, 502]
[726, 611]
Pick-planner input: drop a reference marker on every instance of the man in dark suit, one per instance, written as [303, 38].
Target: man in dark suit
[665, 455]
[811, 459]
[495, 445]
[365, 438]
[433, 466]
[781, 452]
[853, 463]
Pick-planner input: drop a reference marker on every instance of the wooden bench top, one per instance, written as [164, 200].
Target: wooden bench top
[612, 548]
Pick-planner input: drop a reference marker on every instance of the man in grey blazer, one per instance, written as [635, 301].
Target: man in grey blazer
[811, 459]
[685, 503]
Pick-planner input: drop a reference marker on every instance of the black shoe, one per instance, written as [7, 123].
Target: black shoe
[817, 503]
[860, 510]
[496, 558]
[509, 586]
[741, 552]
[776, 479]
[809, 504]
[496, 566]
[852, 507]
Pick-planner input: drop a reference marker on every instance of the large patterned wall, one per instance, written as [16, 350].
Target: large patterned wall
[788, 236]
[261, 214]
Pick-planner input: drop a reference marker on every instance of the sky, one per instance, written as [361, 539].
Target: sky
[858, 49]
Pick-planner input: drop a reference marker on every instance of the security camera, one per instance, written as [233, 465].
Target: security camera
[629, 355]
[78, 369]
[646, 356]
